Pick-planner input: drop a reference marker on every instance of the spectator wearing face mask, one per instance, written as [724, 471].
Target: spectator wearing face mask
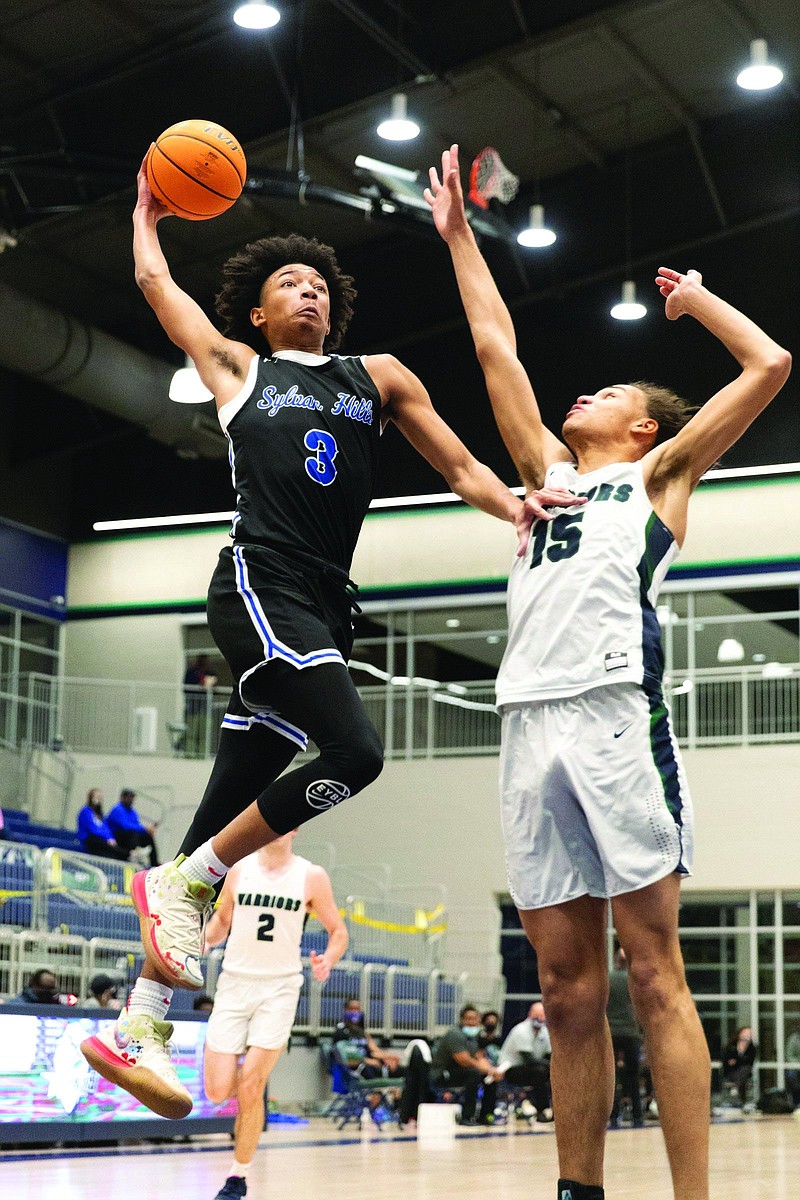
[525, 1061]
[458, 1061]
[103, 994]
[490, 1035]
[41, 988]
[360, 1051]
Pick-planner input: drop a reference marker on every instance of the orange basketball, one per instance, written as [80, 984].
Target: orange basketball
[197, 169]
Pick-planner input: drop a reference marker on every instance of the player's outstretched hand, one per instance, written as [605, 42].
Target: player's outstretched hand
[445, 196]
[536, 508]
[145, 198]
[678, 290]
[319, 966]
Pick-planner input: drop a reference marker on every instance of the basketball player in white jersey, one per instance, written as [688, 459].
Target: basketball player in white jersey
[262, 910]
[594, 800]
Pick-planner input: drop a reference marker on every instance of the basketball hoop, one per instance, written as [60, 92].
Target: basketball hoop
[490, 179]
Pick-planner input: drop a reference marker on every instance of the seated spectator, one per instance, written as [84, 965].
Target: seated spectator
[793, 1056]
[128, 828]
[626, 1038]
[525, 1061]
[94, 833]
[203, 1003]
[103, 994]
[737, 1062]
[358, 1050]
[490, 1035]
[459, 1062]
[41, 988]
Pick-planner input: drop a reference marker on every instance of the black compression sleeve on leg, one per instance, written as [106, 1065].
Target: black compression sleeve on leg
[246, 762]
[322, 701]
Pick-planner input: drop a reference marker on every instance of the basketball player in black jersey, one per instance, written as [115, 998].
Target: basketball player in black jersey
[303, 428]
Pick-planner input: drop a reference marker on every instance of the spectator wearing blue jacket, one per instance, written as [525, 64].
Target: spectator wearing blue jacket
[94, 833]
[128, 828]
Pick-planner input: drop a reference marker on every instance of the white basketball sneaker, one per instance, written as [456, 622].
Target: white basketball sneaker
[134, 1053]
[172, 914]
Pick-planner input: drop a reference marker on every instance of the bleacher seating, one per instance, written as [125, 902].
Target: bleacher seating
[20, 828]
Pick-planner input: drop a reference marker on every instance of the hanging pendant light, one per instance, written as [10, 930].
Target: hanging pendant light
[398, 127]
[761, 74]
[537, 233]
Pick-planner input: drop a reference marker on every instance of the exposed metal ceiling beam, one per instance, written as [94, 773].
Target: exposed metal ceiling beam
[521, 18]
[564, 287]
[398, 51]
[671, 100]
[533, 95]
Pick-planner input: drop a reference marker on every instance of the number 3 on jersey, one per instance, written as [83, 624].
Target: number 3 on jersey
[319, 466]
[565, 538]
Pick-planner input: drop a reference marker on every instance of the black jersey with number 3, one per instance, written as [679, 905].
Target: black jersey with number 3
[303, 438]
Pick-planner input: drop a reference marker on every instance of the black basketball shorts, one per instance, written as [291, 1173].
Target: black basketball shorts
[264, 608]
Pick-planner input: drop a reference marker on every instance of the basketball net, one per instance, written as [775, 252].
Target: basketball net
[490, 179]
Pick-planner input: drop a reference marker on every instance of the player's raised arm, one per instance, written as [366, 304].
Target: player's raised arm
[723, 419]
[532, 447]
[221, 363]
[321, 902]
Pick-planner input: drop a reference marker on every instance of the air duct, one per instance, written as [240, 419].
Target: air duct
[84, 362]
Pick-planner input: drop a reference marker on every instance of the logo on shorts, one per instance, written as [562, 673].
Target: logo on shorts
[620, 732]
[617, 658]
[325, 793]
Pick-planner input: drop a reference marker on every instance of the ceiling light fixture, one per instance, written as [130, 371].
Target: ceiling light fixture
[398, 127]
[186, 387]
[760, 74]
[730, 650]
[537, 233]
[452, 622]
[256, 14]
[628, 308]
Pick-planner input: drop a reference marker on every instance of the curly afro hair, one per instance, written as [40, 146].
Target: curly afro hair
[245, 272]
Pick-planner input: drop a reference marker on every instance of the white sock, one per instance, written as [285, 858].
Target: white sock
[204, 866]
[239, 1169]
[150, 998]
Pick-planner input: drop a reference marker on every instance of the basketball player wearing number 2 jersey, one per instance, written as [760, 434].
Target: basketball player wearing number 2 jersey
[262, 910]
[594, 801]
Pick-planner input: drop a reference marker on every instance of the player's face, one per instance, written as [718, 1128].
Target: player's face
[609, 412]
[295, 306]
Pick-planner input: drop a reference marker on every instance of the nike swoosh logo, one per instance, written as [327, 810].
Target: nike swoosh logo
[621, 731]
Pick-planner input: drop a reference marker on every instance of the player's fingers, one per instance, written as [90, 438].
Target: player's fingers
[429, 196]
[434, 178]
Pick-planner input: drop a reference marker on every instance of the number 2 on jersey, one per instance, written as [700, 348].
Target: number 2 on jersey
[564, 535]
[323, 449]
[266, 924]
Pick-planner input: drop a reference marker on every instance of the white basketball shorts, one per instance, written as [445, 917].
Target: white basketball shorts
[594, 797]
[252, 1011]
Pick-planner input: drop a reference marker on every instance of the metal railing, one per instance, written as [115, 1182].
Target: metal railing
[398, 1001]
[737, 705]
[67, 892]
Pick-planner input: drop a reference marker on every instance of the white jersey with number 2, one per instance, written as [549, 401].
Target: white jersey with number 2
[269, 912]
[581, 602]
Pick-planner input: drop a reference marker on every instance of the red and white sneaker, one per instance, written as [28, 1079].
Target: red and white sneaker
[172, 914]
[134, 1053]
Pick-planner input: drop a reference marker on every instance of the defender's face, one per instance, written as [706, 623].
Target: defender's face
[611, 411]
[294, 301]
